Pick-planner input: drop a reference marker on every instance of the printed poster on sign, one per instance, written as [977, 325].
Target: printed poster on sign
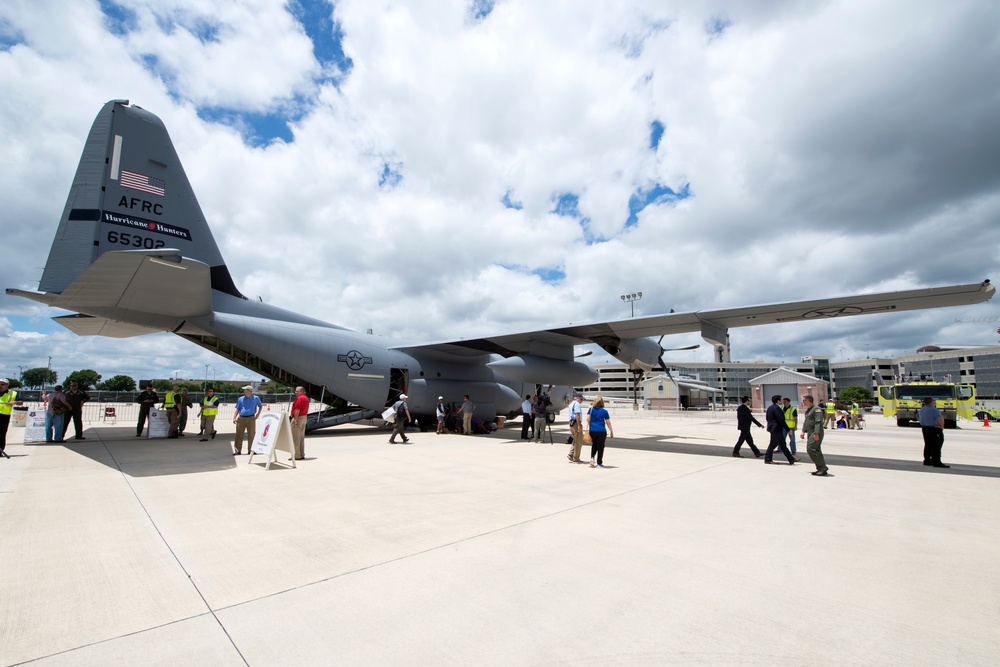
[159, 425]
[34, 426]
[274, 432]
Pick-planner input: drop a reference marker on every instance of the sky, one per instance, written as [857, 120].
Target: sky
[442, 169]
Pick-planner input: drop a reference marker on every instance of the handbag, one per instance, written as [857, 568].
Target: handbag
[587, 439]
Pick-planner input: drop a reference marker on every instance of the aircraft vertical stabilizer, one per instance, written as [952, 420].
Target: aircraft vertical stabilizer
[130, 192]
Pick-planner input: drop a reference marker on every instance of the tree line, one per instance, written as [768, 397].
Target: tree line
[87, 379]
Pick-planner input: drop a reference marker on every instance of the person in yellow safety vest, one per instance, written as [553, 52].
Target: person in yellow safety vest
[830, 416]
[791, 421]
[854, 414]
[172, 405]
[8, 399]
[209, 409]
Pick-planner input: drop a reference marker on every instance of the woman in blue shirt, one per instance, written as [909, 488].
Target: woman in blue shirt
[599, 427]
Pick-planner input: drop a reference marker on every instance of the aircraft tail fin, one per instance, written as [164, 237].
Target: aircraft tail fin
[130, 193]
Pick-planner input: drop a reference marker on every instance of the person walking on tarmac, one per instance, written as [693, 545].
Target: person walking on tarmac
[744, 417]
[812, 433]
[830, 418]
[402, 419]
[776, 426]
[791, 421]
[209, 410]
[8, 399]
[854, 414]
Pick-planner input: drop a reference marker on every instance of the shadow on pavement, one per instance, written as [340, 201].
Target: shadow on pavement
[118, 448]
[657, 444]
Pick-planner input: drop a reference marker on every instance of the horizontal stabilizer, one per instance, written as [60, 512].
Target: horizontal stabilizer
[41, 297]
[159, 282]
[85, 325]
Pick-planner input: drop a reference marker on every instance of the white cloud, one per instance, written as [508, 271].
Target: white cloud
[830, 148]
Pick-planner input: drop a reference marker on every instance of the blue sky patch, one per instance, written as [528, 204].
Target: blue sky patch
[634, 43]
[656, 129]
[10, 36]
[480, 9]
[258, 129]
[550, 275]
[152, 65]
[567, 204]
[716, 26]
[118, 19]
[327, 35]
[510, 203]
[658, 194]
[391, 176]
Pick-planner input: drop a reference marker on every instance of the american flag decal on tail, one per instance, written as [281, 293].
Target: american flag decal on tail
[137, 181]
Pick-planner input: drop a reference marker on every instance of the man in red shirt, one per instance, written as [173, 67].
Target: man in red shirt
[300, 414]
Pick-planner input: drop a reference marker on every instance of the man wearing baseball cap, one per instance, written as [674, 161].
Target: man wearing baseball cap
[402, 418]
[248, 407]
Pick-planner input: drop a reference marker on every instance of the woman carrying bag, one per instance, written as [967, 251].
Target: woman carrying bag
[598, 430]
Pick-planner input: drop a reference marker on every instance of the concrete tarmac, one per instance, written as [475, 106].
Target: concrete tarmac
[489, 550]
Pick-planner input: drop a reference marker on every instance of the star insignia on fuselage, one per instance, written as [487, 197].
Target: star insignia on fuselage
[354, 360]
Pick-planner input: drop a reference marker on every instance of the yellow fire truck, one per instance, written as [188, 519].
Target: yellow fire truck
[902, 401]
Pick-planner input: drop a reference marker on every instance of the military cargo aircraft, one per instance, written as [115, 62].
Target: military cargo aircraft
[132, 224]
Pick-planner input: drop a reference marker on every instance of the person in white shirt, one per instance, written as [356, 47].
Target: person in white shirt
[575, 428]
[526, 421]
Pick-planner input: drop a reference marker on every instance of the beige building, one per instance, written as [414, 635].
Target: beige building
[676, 392]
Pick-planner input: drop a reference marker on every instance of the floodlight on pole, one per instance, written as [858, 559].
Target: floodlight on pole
[632, 298]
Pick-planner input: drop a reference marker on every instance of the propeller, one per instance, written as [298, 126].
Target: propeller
[672, 349]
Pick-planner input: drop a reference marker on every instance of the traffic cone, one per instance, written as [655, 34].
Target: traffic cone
[986, 421]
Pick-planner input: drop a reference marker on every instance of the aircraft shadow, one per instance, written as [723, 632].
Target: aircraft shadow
[141, 457]
[657, 444]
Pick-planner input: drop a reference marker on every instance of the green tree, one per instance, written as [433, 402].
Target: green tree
[855, 393]
[15, 383]
[39, 377]
[86, 378]
[119, 383]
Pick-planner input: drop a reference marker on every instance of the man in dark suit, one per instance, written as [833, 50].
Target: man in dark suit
[779, 431]
[744, 418]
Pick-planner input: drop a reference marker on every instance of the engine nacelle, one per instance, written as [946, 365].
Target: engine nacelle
[531, 369]
[639, 353]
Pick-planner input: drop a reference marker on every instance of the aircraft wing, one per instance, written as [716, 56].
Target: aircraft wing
[714, 324]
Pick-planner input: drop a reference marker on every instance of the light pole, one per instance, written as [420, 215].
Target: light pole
[205, 388]
[867, 354]
[632, 298]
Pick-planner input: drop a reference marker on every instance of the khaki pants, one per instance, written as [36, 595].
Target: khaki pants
[539, 428]
[174, 419]
[467, 423]
[299, 437]
[208, 425]
[248, 424]
[576, 430]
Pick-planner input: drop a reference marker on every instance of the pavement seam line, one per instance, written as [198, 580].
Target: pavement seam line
[176, 558]
[472, 537]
